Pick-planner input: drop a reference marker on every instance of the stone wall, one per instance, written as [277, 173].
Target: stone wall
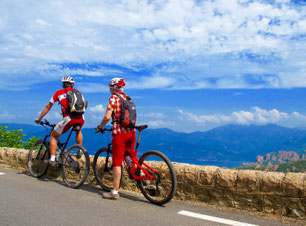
[267, 192]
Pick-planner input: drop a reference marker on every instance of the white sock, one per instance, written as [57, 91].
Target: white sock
[52, 158]
[115, 192]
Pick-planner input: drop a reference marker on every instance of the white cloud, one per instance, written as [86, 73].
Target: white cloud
[146, 34]
[159, 123]
[53, 116]
[6, 116]
[98, 109]
[153, 115]
[42, 22]
[256, 116]
[299, 116]
[152, 82]
[92, 87]
[259, 116]
[96, 113]
[203, 119]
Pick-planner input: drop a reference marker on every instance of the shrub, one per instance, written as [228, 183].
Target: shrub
[14, 138]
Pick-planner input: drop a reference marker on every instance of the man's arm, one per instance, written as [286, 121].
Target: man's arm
[106, 118]
[45, 111]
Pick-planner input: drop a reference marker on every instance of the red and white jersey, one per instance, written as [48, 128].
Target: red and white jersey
[61, 97]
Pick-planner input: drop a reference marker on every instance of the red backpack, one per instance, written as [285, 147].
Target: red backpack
[128, 113]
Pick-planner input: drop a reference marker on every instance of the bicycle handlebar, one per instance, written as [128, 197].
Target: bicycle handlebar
[139, 128]
[45, 123]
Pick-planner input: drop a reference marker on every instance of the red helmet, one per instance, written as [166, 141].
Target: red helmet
[119, 82]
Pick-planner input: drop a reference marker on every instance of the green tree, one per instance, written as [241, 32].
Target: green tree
[14, 138]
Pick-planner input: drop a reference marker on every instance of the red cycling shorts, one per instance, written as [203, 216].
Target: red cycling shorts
[67, 122]
[120, 143]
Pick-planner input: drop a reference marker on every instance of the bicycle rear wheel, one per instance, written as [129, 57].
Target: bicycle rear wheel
[75, 165]
[103, 169]
[38, 157]
[161, 188]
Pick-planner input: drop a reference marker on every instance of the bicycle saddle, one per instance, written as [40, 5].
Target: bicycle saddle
[76, 127]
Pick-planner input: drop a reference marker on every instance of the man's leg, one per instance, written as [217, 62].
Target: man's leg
[117, 152]
[53, 144]
[79, 137]
[117, 177]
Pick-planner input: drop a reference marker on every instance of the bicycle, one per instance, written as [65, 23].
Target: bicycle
[73, 162]
[153, 172]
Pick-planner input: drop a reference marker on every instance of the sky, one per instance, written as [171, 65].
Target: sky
[189, 65]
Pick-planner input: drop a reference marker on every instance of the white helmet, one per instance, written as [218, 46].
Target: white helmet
[119, 82]
[68, 79]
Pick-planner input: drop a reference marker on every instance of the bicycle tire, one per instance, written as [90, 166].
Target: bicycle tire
[104, 176]
[38, 157]
[75, 165]
[161, 189]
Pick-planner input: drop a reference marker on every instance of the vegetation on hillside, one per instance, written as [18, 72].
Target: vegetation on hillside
[298, 166]
[14, 138]
[295, 166]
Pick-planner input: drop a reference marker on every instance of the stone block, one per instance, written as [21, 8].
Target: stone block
[206, 175]
[272, 204]
[1, 153]
[248, 181]
[202, 193]
[226, 178]
[248, 201]
[293, 207]
[187, 174]
[222, 198]
[293, 185]
[271, 183]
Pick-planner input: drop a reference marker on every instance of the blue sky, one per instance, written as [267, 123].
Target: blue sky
[188, 65]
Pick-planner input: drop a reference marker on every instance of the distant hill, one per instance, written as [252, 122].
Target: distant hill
[281, 161]
[276, 158]
[228, 146]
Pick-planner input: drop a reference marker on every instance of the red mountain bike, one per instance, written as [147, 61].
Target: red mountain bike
[154, 174]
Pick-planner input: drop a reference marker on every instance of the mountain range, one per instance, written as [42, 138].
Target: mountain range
[225, 146]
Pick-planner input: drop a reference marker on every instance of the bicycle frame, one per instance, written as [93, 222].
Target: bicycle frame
[61, 146]
[135, 161]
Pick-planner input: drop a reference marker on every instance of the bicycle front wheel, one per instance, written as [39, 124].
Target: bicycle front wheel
[161, 188]
[103, 169]
[75, 165]
[38, 157]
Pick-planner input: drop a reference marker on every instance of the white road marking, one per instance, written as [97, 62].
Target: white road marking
[1, 173]
[214, 219]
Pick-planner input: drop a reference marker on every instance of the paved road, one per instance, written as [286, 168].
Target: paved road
[25, 200]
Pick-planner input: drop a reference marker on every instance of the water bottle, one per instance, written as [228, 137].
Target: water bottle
[128, 162]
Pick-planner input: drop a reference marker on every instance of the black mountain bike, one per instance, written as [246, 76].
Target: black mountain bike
[153, 172]
[73, 162]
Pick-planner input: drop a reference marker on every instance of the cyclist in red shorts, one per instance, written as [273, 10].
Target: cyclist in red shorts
[68, 120]
[123, 138]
